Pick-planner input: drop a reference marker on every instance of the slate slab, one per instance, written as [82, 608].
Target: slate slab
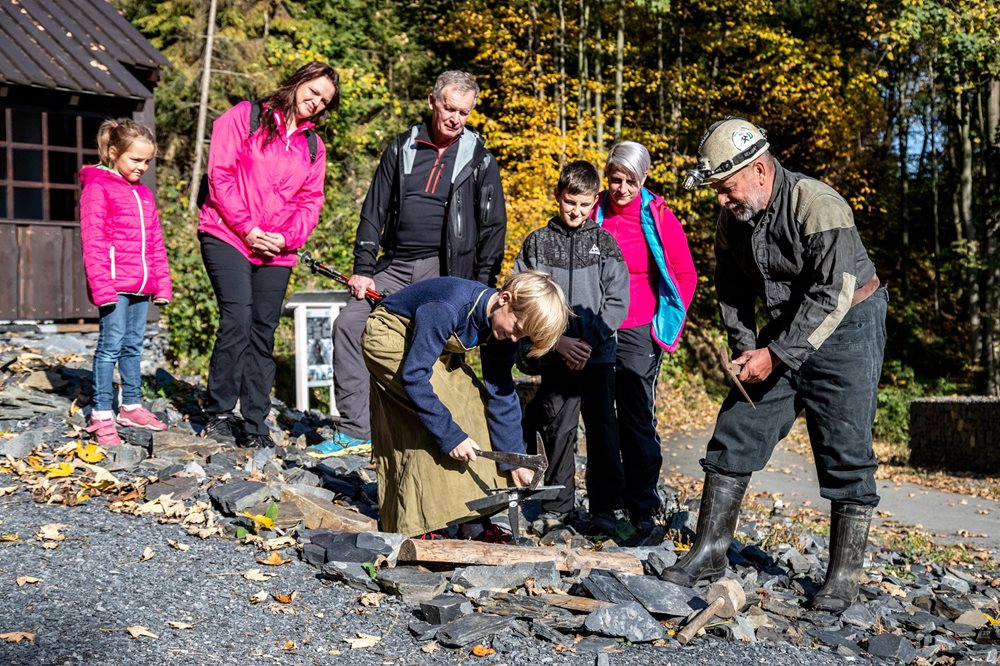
[123, 457]
[507, 576]
[628, 621]
[445, 608]
[858, 615]
[603, 586]
[351, 574]
[412, 584]
[472, 629]
[661, 597]
[890, 646]
[235, 496]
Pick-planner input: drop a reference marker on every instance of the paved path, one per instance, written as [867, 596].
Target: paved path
[938, 513]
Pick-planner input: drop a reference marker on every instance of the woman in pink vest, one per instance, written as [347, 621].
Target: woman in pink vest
[662, 280]
[266, 169]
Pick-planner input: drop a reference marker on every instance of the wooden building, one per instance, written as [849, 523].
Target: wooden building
[65, 66]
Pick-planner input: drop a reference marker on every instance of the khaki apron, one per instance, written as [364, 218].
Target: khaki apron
[420, 488]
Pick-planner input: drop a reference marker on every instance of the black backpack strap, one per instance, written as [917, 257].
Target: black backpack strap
[255, 125]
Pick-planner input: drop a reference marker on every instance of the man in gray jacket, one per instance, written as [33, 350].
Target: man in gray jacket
[789, 242]
[435, 207]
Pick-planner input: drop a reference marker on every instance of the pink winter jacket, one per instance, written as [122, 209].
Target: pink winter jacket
[123, 250]
[251, 185]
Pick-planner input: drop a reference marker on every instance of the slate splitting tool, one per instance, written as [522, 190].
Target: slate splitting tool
[513, 497]
[733, 371]
[327, 271]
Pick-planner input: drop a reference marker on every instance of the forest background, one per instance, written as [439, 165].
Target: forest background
[894, 103]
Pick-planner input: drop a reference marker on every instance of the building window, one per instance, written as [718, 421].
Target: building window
[41, 153]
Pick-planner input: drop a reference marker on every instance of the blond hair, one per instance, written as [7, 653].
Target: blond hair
[540, 306]
[119, 134]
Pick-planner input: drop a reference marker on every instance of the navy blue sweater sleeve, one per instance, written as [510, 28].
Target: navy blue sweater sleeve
[433, 323]
[503, 408]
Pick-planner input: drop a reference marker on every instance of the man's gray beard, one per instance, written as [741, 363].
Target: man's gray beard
[744, 211]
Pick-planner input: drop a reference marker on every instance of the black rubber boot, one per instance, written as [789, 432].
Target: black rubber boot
[720, 508]
[849, 525]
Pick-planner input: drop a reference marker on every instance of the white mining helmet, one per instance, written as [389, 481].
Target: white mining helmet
[728, 146]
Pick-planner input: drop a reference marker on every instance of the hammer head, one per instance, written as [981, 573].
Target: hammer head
[730, 592]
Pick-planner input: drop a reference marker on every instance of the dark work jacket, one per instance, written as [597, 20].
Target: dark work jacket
[587, 263]
[476, 218]
[801, 257]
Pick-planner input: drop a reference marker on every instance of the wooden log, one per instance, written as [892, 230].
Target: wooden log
[453, 551]
[574, 603]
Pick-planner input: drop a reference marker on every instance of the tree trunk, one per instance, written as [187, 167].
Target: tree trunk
[562, 83]
[583, 92]
[599, 80]
[935, 194]
[964, 205]
[619, 71]
[991, 327]
[902, 137]
[199, 138]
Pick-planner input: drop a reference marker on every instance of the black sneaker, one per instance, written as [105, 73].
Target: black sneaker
[605, 523]
[220, 429]
[253, 441]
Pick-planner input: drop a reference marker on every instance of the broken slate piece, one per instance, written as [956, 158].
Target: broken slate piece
[951, 607]
[835, 639]
[628, 621]
[892, 647]
[659, 561]
[445, 608]
[661, 597]
[507, 576]
[351, 574]
[235, 497]
[412, 584]
[858, 615]
[423, 631]
[472, 628]
[737, 629]
[972, 618]
[23, 444]
[123, 457]
[180, 487]
[543, 630]
[951, 583]
[603, 586]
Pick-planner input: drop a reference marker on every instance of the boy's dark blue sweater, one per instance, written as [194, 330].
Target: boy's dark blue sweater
[437, 309]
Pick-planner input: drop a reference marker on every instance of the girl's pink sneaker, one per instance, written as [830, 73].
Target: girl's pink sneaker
[105, 432]
[140, 417]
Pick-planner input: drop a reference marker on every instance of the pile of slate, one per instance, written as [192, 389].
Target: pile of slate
[906, 613]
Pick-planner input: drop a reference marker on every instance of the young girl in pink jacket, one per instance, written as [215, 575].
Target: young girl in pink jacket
[126, 265]
[265, 194]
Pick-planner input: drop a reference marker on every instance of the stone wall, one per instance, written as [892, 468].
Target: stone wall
[957, 433]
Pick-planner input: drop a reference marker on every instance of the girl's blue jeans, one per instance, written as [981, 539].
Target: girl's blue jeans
[122, 328]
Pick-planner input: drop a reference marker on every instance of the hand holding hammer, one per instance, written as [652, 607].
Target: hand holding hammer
[725, 598]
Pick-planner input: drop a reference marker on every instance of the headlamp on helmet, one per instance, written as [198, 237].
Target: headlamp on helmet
[728, 146]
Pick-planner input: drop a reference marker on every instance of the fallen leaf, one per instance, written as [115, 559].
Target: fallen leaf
[9, 490]
[371, 599]
[274, 560]
[259, 597]
[59, 471]
[285, 598]
[289, 645]
[10, 538]
[174, 624]
[147, 554]
[430, 647]
[27, 580]
[50, 545]
[259, 521]
[531, 587]
[18, 636]
[183, 547]
[90, 453]
[480, 650]
[255, 574]
[50, 532]
[362, 641]
[136, 630]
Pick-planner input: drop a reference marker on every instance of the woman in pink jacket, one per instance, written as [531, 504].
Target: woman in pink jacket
[266, 169]
[662, 281]
[126, 265]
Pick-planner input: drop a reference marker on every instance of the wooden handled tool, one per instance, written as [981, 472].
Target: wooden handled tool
[725, 598]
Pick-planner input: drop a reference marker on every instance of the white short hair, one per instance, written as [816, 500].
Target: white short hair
[631, 156]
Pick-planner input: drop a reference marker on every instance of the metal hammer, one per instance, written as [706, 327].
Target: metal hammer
[725, 598]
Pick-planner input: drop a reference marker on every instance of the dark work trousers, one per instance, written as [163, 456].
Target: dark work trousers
[249, 298]
[837, 387]
[350, 376]
[555, 413]
[637, 367]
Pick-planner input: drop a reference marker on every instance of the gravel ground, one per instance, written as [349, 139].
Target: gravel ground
[94, 586]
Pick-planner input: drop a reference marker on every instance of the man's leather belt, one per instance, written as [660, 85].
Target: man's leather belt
[867, 290]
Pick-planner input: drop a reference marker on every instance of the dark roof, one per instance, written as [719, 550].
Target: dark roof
[75, 45]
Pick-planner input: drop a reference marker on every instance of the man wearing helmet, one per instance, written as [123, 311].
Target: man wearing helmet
[789, 241]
